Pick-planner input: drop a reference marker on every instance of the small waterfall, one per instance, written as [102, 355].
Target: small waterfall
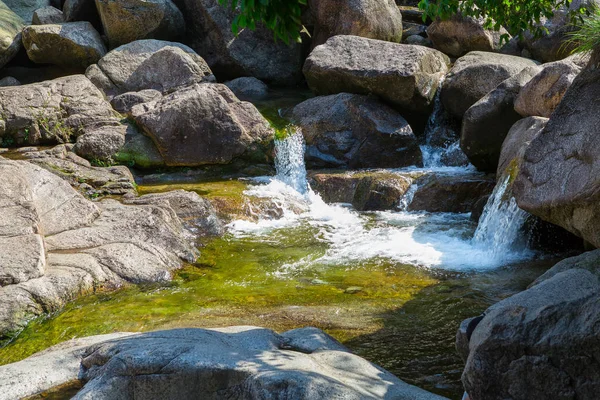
[289, 160]
[408, 197]
[499, 229]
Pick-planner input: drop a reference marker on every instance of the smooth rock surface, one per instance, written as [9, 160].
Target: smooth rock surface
[125, 21]
[26, 8]
[72, 44]
[373, 19]
[558, 181]
[487, 122]
[248, 88]
[47, 15]
[251, 53]
[186, 133]
[10, 34]
[149, 64]
[356, 131]
[476, 74]
[516, 142]
[406, 76]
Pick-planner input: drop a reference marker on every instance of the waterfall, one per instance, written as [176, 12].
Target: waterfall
[408, 196]
[289, 160]
[499, 229]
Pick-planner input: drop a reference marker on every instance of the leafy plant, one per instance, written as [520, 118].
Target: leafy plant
[283, 17]
[587, 37]
[517, 16]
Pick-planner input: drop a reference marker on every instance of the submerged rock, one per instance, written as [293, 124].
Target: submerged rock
[476, 74]
[537, 344]
[234, 362]
[85, 244]
[348, 130]
[10, 34]
[125, 21]
[374, 19]
[557, 180]
[184, 128]
[250, 53]
[72, 44]
[406, 76]
[149, 64]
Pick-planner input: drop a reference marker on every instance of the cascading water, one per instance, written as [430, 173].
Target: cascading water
[500, 226]
[289, 161]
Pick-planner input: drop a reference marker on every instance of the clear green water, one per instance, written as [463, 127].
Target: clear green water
[399, 316]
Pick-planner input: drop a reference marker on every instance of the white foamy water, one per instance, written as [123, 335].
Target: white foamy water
[431, 240]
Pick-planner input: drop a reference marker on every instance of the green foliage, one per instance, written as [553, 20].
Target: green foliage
[283, 17]
[517, 16]
[587, 37]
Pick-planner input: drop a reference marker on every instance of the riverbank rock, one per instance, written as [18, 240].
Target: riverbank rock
[26, 8]
[459, 35]
[248, 88]
[487, 122]
[72, 44]
[557, 181]
[517, 140]
[537, 344]
[349, 130]
[82, 10]
[149, 64]
[86, 244]
[47, 15]
[540, 96]
[183, 127]
[123, 103]
[244, 362]
[125, 21]
[140, 151]
[476, 74]
[250, 53]
[10, 35]
[55, 111]
[9, 81]
[373, 19]
[406, 76]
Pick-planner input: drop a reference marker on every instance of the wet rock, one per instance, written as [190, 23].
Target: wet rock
[248, 88]
[10, 35]
[251, 53]
[47, 15]
[26, 8]
[55, 111]
[85, 244]
[450, 193]
[373, 19]
[140, 151]
[476, 74]
[9, 81]
[541, 95]
[537, 344]
[87, 179]
[123, 103]
[353, 290]
[459, 35]
[149, 64]
[183, 127]
[355, 131]
[69, 44]
[557, 181]
[125, 21]
[356, 65]
[487, 122]
[252, 362]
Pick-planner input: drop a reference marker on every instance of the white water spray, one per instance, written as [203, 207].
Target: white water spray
[289, 161]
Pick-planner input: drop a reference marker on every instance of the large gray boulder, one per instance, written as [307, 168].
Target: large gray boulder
[125, 21]
[374, 19]
[10, 34]
[26, 8]
[486, 123]
[558, 180]
[406, 76]
[540, 343]
[234, 362]
[72, 44]
[148, 64]
[250, 53]
[476, 74]
[540, 96]
[85, 244]
[355, 131]
[56, 111]
[184, 128]
[82, 10]
[517, 140]
[248, 88]
[48, 15]
[459, 35]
